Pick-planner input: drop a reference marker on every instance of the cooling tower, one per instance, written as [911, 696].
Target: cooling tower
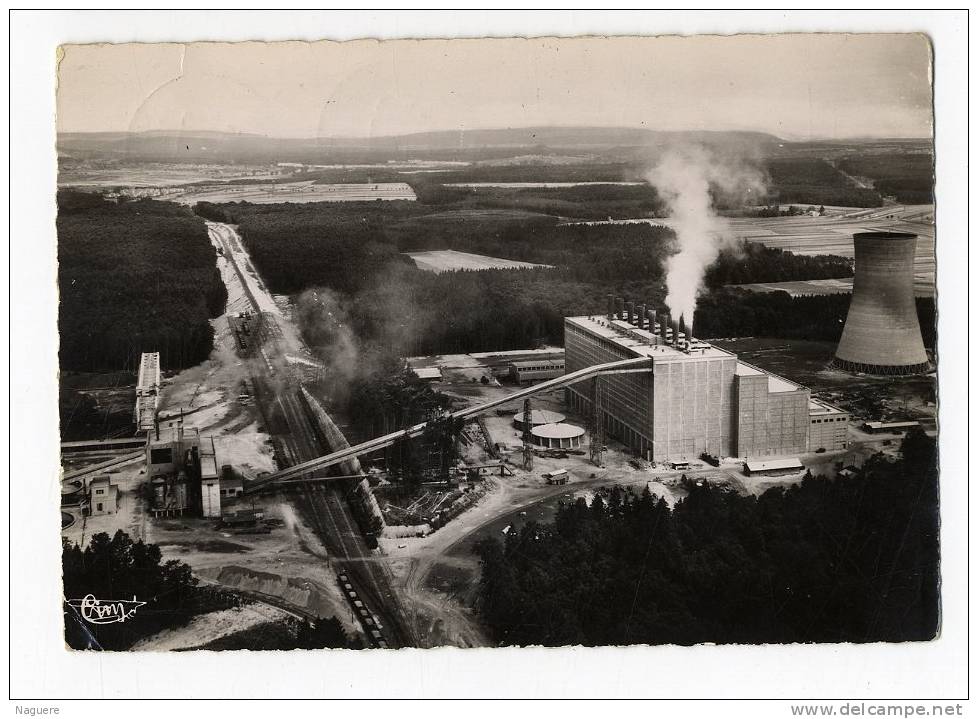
[882, 335]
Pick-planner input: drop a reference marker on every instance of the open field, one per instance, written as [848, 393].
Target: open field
[534, 185]
[449, 260]
[157, 175]
[841, 286]
[296, 192]
[830, 234]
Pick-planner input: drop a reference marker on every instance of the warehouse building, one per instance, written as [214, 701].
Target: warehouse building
[696, 399]
[535, 370]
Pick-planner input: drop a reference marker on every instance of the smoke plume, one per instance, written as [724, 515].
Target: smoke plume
[690, 180]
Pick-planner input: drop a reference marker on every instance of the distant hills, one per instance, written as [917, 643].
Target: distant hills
[607, 143]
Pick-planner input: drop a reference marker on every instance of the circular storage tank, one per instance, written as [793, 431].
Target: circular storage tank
[538, 417]
[558, 436]
[72, 493]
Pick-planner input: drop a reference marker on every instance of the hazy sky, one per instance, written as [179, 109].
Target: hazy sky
[794, 86]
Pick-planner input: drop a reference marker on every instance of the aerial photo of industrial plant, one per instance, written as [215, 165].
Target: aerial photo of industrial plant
[600, 341]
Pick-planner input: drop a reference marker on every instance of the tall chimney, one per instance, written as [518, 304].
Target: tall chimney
[640, 317]
[651, 315]
[664, 327]
[619, 308]
[611, 306]
[630, 311]
[675, 331]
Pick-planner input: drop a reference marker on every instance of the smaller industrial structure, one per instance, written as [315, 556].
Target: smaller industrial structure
[558, 436]
[210, 482]
[427, 374]
[772, 467]
[889, 427]
[147, 391]
[103, 496]
[537, 417]
[528, 371]
[828, 426]
[173, 466]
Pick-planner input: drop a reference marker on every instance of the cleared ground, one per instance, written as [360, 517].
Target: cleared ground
[297, 192]
[438, 261]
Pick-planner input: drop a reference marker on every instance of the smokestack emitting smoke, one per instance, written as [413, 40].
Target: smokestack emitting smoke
[683, 179]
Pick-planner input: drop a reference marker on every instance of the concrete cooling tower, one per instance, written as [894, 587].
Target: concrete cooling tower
[882, 335]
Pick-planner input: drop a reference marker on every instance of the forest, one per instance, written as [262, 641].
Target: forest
[908, 177]
[353, 252]
[770, 264]
[729, 312]
[823, 561]
[134, 277]
[118, 568]
[813, 181]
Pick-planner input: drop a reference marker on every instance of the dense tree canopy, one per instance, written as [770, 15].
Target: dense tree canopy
[354, 249]
[738, 313]
[909, 177]
[752, 262]
[814, 181]
[824, 561]
[118, 568]
[134, 277]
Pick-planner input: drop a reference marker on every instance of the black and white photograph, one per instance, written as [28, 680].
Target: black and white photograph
[505, 345]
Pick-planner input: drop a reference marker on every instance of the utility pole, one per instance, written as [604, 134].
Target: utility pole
[527, 435]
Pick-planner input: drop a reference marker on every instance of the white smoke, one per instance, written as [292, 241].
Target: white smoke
[683, 179]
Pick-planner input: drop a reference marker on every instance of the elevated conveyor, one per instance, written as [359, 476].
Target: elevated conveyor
[626, 366]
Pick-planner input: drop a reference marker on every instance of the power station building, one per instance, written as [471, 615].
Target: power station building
[696, 399]
[882, 333]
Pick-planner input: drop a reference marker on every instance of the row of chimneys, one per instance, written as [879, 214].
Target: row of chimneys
[644, 318]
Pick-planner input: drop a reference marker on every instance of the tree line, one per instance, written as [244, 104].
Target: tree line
[813, 181]
[729, 312]
[118, 568]
[134, 277]
[853, 560]
[355, 249]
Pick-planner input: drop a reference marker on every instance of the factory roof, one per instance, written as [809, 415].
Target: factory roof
[891, 425]
[558, 431]
[774, 382]
[427, 373]
[768, 465]
[559, 363]
[818, 406]
[540, 416]
[642, 343]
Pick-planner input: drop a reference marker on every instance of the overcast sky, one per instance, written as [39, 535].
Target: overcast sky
[794, 86]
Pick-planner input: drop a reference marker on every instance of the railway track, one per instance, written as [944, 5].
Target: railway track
[287, 418]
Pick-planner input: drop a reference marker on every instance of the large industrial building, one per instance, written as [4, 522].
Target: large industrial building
[696, 399]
